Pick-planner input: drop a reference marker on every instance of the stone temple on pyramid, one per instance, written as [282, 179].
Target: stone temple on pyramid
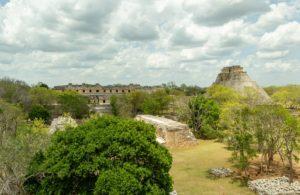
[235, 77]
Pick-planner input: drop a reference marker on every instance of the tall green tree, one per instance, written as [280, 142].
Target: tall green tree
[103, 156]
[156, 102]
[14, 91]
[73, 103]
[114, 105]
[11, 117]
[291, 134]
[288, 96]
[204, 116]
[242, 141]
[39, 112]
[268, 124]
[16, 152]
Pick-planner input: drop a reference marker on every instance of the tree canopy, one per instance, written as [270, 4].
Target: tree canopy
[104, 155]
[204, 116]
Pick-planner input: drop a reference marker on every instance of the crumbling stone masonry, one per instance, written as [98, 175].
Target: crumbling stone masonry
[97, 93]
[169, 132]
[236, 78]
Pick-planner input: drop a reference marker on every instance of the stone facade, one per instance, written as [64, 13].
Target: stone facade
[99, 94]
[169, 132]
[236, 78]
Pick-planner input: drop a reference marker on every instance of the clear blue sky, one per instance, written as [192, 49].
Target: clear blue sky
[2, 2]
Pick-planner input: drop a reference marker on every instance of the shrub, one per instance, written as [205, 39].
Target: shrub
[16, 152]
[156, 103]
[74, 103]
[39, 112]
[204, 116]
[114, 106]
[104, 155]
[242, 141]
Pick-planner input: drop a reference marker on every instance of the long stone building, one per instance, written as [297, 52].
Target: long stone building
[98, 94]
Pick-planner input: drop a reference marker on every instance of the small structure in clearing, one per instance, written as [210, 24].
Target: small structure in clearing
[169, 132]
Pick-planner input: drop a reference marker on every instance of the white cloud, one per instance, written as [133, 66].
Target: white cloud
[285, 36]
[218, 12]
[271, 54]
[279, 14]
[149, 42]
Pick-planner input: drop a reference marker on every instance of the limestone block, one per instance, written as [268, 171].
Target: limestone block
[169, 132]
[61, 123]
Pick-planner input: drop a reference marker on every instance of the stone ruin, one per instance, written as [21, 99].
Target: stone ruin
[235, 77]
[169, 132]
[220, 172]
[275, 186]
[60, 124]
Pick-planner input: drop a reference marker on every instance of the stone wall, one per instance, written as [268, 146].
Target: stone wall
[98, 94]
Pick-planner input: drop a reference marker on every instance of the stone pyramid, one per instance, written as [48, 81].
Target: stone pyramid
[236, 78]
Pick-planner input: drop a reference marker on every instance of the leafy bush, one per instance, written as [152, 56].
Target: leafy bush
[204, 116]
[222, 94]
[242, 140]
[14, 91]
[39, 112]
[288, 96]
[11, 117]
[114, 105]
[43, 96]
[128, 105]
[156, 103]
[16, 152]
[104, 155]
[73, 103]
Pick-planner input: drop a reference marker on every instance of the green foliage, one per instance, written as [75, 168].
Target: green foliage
[105, 155]
[271, 90]
[204, 116]
[11, 117]
[137, 102]
[241, 142]
[114, 105]
[291, 134]
[266, 130]
[172, 89]
[288, 96]
[128, 105]
[136, 99]
[267, 124]
[73, 103]
[43, 96]
[227, 115]
[14, 91]
[157, 102]
[16, 152]
[43, 85]
[222, 94]
[39, 112]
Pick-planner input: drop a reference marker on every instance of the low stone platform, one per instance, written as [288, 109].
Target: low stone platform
[169, 132]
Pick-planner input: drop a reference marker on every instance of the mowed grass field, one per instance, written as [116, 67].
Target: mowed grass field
[189, 170]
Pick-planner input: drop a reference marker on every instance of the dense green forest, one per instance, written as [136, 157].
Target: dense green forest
[106, 154]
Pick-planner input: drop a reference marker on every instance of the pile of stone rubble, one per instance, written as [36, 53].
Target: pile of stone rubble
[61, 123]
[173, 193]
[221, 172]
[275, 186]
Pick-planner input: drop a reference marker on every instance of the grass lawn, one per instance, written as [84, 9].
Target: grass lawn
[190, 167]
